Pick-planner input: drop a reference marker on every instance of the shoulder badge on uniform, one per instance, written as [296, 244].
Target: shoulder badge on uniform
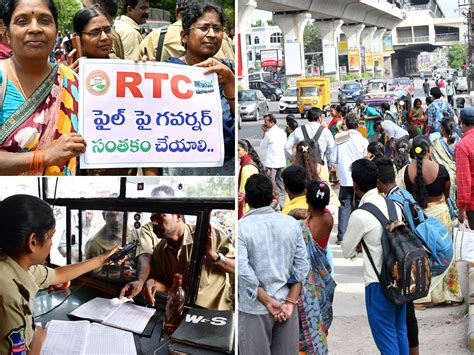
[17, 340]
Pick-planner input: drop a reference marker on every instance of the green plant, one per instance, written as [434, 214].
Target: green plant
[457, 55]
[66, 11]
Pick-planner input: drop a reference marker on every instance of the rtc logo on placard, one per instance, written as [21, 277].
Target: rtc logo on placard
[98, 82]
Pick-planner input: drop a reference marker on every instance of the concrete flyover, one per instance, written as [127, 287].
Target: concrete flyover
[363, 21]
[424, 29]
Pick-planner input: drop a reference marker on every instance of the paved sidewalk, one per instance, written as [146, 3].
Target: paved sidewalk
[442, 329]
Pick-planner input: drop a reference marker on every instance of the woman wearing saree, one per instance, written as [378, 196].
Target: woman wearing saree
[429, 183]
[315, 302]
[38, 115]
[202, 37]
[250, 164]
[443, 145]
[417, 118]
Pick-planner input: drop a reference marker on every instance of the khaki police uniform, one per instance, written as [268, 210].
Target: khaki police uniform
[148, 240]
[18, 288]
[214, 288]
[172, 46]
[130, 34]
[105, 240]
[117, 46]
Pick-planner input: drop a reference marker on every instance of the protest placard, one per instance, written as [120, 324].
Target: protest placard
[149, 115]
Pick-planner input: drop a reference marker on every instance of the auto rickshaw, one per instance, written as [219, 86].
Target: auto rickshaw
[312, 92]
[376, 86]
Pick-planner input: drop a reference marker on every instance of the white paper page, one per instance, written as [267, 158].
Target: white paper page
[130, 317]
[103, 340]
[97, 309]
[65, 337]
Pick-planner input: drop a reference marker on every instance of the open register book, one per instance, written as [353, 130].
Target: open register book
[84, 338]
[117, 313]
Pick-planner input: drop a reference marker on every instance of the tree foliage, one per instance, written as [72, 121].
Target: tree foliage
[457, 55]
[311, 39]
[66, 11]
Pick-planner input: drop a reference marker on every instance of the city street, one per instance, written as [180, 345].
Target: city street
[251, 130]
[442, 329]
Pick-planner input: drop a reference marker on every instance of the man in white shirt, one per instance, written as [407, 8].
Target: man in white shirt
[350, 146]
[135, 13]
[274, 139]
[394, 134]
[325, 141]
[386, 319]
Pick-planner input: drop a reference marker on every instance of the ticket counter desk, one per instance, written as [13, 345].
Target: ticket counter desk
[88, 287]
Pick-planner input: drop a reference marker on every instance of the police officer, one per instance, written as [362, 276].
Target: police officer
[172, 45]
[26, 230]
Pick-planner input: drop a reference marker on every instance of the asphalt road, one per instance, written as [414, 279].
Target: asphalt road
[251, 130]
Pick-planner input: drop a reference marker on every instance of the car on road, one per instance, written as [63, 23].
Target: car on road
[288, 102]
[270, 91]
[405, 83]
[351, 91]
[261, 76]
[252, 105]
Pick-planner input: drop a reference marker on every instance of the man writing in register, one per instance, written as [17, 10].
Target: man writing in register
[172, 254]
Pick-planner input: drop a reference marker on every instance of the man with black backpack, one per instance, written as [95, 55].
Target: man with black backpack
[396, 267]
[386, 185]
[315, 134]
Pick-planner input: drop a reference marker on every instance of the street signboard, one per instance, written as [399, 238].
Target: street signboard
[354, 60]
[271, 58]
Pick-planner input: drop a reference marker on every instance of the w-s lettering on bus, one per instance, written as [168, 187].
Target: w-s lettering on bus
[131, 81]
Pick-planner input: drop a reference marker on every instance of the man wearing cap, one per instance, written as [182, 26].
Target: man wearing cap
[369, 115]
[464, 155]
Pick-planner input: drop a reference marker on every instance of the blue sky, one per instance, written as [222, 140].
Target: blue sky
[448, 7]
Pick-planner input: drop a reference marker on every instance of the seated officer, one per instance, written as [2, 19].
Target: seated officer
[172, 255]
[108, 237]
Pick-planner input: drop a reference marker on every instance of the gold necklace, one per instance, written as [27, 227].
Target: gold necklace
[16, 78]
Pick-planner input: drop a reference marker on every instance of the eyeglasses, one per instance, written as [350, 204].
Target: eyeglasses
[96, 33]
[206, 28]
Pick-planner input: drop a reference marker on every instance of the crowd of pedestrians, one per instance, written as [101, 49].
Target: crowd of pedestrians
[367, 155]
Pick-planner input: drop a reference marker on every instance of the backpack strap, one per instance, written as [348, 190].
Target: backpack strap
[305, 134]
[161, 41]
[366, 249]
[318, 133]
[375, 211]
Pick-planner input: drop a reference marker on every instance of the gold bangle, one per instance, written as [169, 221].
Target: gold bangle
[291, 300]
[229, 97]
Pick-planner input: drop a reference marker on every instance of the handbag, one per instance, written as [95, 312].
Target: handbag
[463, 244]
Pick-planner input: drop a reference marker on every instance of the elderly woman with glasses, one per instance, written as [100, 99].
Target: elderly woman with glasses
[38, 104]
[203, 31]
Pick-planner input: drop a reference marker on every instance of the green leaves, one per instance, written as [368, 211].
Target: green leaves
[66, 11]
[457, 55]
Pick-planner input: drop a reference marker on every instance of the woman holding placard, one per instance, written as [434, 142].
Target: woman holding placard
[202, 34]
[38, 114]
[94, 31]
